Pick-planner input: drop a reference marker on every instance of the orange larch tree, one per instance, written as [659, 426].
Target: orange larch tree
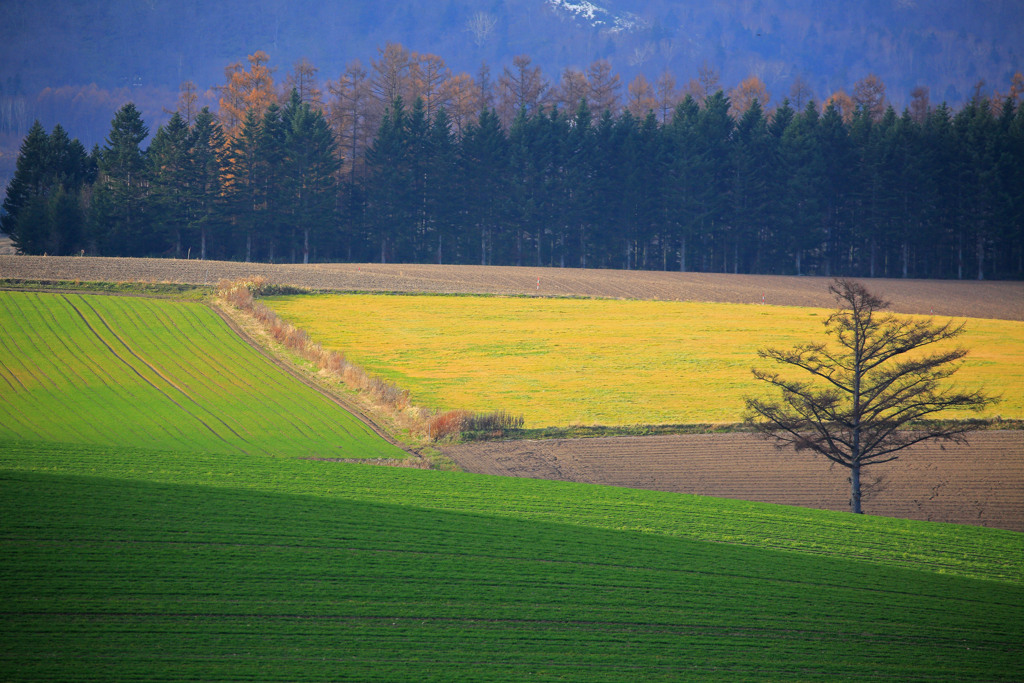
[302, 80]
[604, 88]
[244, 90]
[641, 97]
[743, 95]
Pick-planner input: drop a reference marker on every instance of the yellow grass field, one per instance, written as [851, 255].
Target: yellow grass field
[561, 362]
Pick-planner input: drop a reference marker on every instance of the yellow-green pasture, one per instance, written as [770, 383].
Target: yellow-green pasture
[563, 362]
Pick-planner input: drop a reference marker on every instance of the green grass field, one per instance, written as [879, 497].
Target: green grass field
[123, 564]
[562, 362]
[129, 371]
[142, 551]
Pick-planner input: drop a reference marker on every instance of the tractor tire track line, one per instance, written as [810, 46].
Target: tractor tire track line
[159, 374]
[34, 372]
[265, 377]
[149, 381]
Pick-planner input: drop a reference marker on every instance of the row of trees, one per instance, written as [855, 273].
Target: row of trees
[794, 192]
[275, 182]
[715, 183]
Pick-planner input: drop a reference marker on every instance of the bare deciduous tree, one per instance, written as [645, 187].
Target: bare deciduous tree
[349, 114]
[641, 97]
[522, 88]
[872, 391]
[480, 26]
[919, 104]
[604, 88]
[303, 81]
[430, 75]
[391, 74]
[572, 88]
[461, 95]
[667, 96]
[869, 95]
[800, 92]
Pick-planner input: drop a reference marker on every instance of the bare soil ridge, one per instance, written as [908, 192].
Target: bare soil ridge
[958, 298]
[979, 484]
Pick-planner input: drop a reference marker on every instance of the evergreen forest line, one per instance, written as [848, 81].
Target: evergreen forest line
[704, 186]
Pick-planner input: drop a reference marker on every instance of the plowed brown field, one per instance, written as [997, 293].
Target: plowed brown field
[1003, 300]
[980, 484]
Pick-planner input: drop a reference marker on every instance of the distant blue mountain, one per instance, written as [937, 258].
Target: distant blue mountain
[947, 45]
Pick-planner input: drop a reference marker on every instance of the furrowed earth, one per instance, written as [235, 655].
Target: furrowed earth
[967, 298]
[980, 483]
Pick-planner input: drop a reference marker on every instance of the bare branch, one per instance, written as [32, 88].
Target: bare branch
[867, 388]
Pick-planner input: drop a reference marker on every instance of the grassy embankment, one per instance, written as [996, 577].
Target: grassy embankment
[153, 553]
[563, 362]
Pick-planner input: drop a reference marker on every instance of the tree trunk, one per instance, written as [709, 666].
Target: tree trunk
[682, 255]
[981, 257]
[855, 490]
[960, 256]
[305, 245]
[202, 242]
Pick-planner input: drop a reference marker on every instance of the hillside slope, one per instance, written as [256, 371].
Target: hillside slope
[138, 564]
[129, 372]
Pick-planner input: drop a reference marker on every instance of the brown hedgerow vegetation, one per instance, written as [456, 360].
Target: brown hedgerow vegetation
[388, 396]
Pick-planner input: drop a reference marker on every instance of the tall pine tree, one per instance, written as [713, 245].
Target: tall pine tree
[121, 224]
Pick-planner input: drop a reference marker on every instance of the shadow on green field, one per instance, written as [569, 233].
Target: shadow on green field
[116, 578]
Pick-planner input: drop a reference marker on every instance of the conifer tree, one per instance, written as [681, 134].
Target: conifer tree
[244, 187]
[684, 168]
[441, 202]
[484, 159]
[170, 192]
[206, 171]
[583, 203]
[417, 162]
[272, 229]
[836, 183]
[753, 162]
[119, 214]
[23, 217]
[310, 165]
[714, 131]
[803, 167]
[388, 186]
